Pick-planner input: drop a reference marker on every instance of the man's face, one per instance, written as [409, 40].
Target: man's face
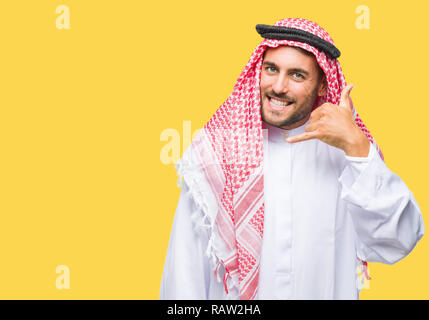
[290, 84]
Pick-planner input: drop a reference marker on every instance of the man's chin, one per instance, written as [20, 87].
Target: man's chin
[288, 123]
[275, 120]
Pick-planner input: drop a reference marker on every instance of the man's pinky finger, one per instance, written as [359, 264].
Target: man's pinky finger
[302, 137]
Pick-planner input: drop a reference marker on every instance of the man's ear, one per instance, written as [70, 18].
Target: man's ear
[323, 87]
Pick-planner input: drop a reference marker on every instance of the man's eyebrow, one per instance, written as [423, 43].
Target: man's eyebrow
[298, 70]
[270, 64]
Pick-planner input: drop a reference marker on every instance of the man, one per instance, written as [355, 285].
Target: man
[285, 192]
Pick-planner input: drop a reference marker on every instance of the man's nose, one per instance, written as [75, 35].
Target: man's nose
[280, 85]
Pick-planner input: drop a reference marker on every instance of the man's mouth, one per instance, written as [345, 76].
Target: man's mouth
[278, 104]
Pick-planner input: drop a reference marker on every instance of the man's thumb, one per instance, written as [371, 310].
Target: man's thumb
[345, 95]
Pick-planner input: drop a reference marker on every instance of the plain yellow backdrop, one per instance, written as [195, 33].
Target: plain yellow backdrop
[82, 111]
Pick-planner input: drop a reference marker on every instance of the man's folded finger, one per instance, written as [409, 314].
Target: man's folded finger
[302, 137]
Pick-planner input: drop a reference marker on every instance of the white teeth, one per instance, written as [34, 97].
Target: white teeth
[278, 103]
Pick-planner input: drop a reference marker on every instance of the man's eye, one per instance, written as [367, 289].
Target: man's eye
[298, 75]
[271, 69]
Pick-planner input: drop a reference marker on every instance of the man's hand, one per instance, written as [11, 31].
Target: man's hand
[335, 126]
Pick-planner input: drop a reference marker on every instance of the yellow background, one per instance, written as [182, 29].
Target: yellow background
[82, 110]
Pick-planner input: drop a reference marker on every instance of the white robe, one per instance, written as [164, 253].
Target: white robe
[323, 211]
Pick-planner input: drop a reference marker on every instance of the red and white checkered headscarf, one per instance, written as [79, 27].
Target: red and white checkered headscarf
[223, 166]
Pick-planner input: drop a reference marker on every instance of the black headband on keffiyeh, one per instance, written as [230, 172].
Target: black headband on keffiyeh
[285, 33]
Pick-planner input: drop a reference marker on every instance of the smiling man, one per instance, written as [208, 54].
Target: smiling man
[285, 192]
